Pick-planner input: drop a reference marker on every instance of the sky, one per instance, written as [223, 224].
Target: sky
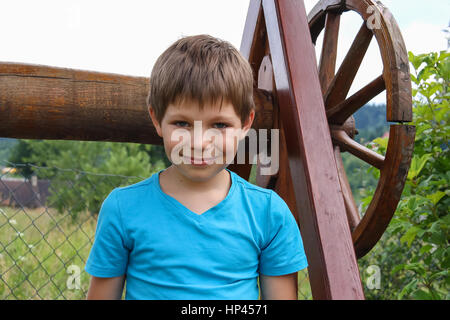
[126, 37]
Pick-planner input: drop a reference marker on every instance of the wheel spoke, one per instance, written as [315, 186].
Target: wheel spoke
[327, 65]
[339, 113]
[350, 204]
[348, 144]
[343, 80]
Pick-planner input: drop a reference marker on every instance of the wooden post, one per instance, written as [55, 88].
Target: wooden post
[333, 268]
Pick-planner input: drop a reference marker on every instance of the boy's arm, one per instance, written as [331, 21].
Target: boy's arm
[106, 288]
[279, 287]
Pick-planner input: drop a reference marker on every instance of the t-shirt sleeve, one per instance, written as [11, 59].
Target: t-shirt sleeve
[283, 251]
[109, 253]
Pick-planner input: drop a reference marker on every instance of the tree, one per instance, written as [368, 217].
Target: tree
[413, 254]
[82, 173]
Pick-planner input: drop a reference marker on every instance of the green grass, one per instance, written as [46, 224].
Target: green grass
[37, 247]
[304, 288]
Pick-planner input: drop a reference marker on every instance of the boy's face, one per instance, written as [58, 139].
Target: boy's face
[201, 143]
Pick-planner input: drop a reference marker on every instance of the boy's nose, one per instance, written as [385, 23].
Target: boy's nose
[200, 137]
[200, 145]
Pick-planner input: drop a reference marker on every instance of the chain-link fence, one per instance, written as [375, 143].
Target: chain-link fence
[47, 226]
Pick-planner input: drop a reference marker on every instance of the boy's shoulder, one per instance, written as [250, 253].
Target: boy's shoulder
[250, 187]
[273, 198]
[263, 200]
[258, 195]
[135, 188]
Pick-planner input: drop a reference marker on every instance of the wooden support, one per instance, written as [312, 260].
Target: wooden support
[341, 112]
[341, 138]
[42, 102]
[333, 269]
[252, 48]
[327, 64]
[343, 79]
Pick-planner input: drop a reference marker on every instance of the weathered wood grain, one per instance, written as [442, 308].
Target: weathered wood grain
[43, 102]
[333, 268]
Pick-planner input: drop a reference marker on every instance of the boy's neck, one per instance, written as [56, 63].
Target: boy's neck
[174, 182]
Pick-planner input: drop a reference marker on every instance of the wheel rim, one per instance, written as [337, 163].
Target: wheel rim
[395, 80]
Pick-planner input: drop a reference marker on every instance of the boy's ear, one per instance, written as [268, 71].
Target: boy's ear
[156, 124]
[248, 124]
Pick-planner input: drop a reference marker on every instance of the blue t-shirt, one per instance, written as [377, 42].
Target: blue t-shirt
[169, 252]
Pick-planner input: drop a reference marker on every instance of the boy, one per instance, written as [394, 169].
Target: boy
[196, 230]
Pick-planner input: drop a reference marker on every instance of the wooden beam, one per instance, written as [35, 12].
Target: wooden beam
[333, 269]
[42, 102]
[343, 140]
[342, 82]
[327, 63]
[341, 112]
[252, 48]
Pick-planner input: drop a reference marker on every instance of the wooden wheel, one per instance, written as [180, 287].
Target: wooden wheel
[394, 79]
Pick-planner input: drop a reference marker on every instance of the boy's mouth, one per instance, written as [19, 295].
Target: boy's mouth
[196, 161]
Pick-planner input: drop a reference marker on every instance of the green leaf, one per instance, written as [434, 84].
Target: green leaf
[410, 235]
[435, 197]
[426, 248]
[416, 267]
[443, 55]
[410, 286]
[424, 74]
[397, 268]
[438, 275]
[417, 164]
[415, 60]
[422, 295]
[382, 142]
[446, 219]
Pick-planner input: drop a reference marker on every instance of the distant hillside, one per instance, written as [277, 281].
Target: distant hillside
[371, 122]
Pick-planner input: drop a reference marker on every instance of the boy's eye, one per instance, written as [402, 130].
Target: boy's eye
[221, 125]
[184, 124]
[181, 123]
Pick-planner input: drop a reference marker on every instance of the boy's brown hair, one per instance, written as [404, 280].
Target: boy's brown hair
[204, 69]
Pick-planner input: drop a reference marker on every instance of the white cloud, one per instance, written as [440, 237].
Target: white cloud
[111, 36]
[423, 37]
